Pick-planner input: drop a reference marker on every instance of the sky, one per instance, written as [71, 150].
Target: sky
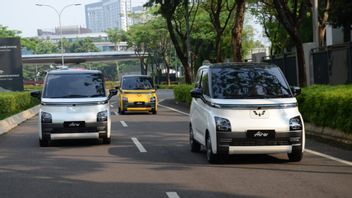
[25, 16]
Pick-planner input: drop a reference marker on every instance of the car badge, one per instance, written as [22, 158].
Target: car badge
[259, 113]
[261, 134]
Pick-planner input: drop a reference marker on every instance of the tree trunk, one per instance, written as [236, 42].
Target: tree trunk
[181, 55]
[237, 31]
[167, 65]
[301, 63]
[322, 31]
[218, 47]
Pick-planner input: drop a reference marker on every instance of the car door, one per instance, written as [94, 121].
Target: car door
[198, 118]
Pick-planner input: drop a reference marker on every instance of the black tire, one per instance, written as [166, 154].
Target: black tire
[43, 143]
[154, 112]
[295, 156]
[211, 157]
[195, 146]
[107, 140]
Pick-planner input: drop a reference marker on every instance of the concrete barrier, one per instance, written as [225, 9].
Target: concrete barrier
[11, 122]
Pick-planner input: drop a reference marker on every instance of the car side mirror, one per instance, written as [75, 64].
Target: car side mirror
[112, 92]
[295, 90]
[196, 93]
[36, 94]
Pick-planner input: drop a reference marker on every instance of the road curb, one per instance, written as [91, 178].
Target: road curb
[13, 121]
[327, 133]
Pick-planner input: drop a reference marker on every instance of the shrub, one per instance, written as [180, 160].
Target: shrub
[329, 106]
[182, 93]
[15, 102]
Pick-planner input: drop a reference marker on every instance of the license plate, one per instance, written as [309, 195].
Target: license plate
[139, 103]
[261, 134]
[74, 124]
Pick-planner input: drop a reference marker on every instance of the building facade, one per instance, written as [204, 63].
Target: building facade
[107, 14]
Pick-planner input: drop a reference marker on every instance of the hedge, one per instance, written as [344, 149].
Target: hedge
[15, 102]
[182, 93]
[323, 105]
[327, 106]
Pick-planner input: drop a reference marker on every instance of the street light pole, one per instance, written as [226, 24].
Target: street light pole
[59, 13]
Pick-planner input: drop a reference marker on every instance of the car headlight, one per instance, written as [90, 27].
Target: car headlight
[295, 123]
[46, 117]
[222, 124]
[125, 99]
[152, 99]
[102, 116]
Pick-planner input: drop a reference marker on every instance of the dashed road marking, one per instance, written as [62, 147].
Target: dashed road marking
[181, 112]
[172, 195]
[139, 145]
[123, 123]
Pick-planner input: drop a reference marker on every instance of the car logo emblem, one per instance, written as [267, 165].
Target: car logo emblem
[258, 113]
[260, 134]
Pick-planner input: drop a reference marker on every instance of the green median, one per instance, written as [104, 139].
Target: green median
[15, 102]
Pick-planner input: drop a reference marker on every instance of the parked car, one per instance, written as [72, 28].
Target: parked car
[245, 108]
[137, 93]
[74, 105]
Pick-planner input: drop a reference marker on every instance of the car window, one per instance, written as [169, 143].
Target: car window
[74, 86]
[205, 82]
[137, 83]
[249, 82]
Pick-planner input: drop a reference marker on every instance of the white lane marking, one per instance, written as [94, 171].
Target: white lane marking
[139, 145]
[181, 112]
[172, 195]
[123, 123]
[116, 113]
[329, 157]
[307, 150]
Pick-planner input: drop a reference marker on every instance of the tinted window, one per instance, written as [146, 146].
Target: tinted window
[205, 82]
[137, 83]
[248, 82]
[74, 86]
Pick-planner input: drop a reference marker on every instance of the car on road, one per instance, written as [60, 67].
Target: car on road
[74, 105]
[137, 93]
[245, 108]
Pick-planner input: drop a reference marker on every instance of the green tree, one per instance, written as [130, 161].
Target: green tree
[83, 45]
[341, 17]
[5, 32]
[116, 35]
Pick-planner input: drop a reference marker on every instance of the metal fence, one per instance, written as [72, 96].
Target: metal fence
[287, 63]
[333, 64]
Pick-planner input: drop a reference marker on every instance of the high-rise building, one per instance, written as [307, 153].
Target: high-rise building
[107, 14]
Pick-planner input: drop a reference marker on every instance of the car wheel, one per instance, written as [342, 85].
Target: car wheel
[154, 112]
[43, 143]
[211, 157]
[295, 156]
[107, 140]
[195, 146]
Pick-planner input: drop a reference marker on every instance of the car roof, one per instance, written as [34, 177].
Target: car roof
[237, 65]
[74, 71]
[135, 76]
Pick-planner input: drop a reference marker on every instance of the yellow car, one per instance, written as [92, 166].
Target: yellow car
[137, 93]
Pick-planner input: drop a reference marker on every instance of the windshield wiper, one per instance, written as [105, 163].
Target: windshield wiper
[74, 96]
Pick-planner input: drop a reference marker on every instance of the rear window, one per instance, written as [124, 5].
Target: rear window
[74, 86]
[137, 83]
[248, 83]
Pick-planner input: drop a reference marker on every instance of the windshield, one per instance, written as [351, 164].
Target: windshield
[74, 86]
[249, 83]
[137, 83]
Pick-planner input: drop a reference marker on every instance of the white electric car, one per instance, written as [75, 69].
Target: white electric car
[74, 105]
[245, 108]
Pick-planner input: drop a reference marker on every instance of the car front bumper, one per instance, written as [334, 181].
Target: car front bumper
[239, 143]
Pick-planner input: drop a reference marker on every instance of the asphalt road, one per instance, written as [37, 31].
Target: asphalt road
[149, 157]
